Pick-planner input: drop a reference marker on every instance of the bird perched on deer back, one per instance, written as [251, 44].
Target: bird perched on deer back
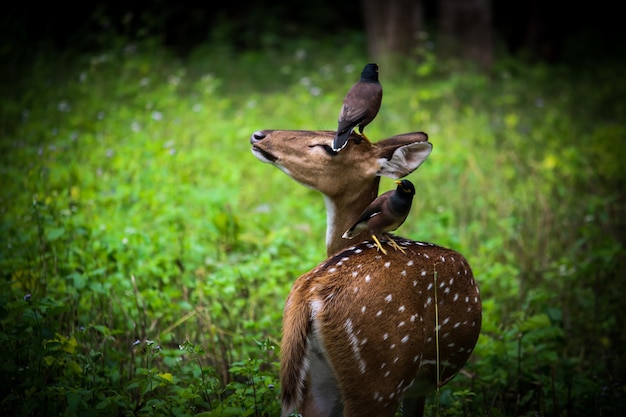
[360, 106]
[385, 214]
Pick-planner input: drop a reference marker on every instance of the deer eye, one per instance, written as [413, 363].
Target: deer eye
[326, 148]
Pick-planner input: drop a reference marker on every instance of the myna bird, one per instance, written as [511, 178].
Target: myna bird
[360, 106]
[385, 214]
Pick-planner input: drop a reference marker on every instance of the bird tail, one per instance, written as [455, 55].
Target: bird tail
[341, 140]
[354, 231]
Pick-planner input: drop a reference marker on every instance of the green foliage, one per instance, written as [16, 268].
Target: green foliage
[146, 251]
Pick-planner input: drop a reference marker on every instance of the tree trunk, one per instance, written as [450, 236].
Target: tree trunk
[465, 31]
[392, 28]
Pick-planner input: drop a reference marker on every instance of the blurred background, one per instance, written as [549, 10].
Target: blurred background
[549, 31]
[146, 254]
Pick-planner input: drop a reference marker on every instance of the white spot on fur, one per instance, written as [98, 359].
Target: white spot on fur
[354, 343]
[316, 306]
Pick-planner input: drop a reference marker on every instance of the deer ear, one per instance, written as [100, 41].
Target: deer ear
[404, 159]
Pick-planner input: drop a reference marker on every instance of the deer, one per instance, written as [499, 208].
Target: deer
[364, 330]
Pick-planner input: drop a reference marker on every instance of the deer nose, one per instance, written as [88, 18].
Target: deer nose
[257, 137]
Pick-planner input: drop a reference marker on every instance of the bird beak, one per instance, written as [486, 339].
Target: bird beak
[398, 182]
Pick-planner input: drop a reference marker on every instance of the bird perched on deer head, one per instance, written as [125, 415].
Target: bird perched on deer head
[360, 106]
[385, 214]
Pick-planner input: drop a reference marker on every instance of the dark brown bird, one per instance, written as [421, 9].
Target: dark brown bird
[385, 214]
[360, 106]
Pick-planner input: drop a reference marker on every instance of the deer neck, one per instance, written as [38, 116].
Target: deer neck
[342, 211]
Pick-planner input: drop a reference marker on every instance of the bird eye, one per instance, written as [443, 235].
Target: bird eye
[326, 148]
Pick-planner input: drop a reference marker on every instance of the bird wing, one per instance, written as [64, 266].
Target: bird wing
[349, 118]
[374, 209]
[353, 111]
[360, 106]
[360, 224]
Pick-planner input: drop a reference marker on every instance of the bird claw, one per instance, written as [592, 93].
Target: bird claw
[363, 136]
[395, 245]
[379, 246]
[392, 243]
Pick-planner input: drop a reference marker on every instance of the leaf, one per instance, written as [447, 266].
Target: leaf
[73, 400]
[69, 345]
[80, 280]
[74, 367]
[167, 376]
[55, 233]
[535, 322]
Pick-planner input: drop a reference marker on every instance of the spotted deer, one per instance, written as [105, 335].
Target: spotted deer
[363, 328]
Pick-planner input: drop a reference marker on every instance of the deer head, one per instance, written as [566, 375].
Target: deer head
[349, 179]
[363, 328]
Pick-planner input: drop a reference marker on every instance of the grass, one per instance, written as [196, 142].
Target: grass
[147, 254]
